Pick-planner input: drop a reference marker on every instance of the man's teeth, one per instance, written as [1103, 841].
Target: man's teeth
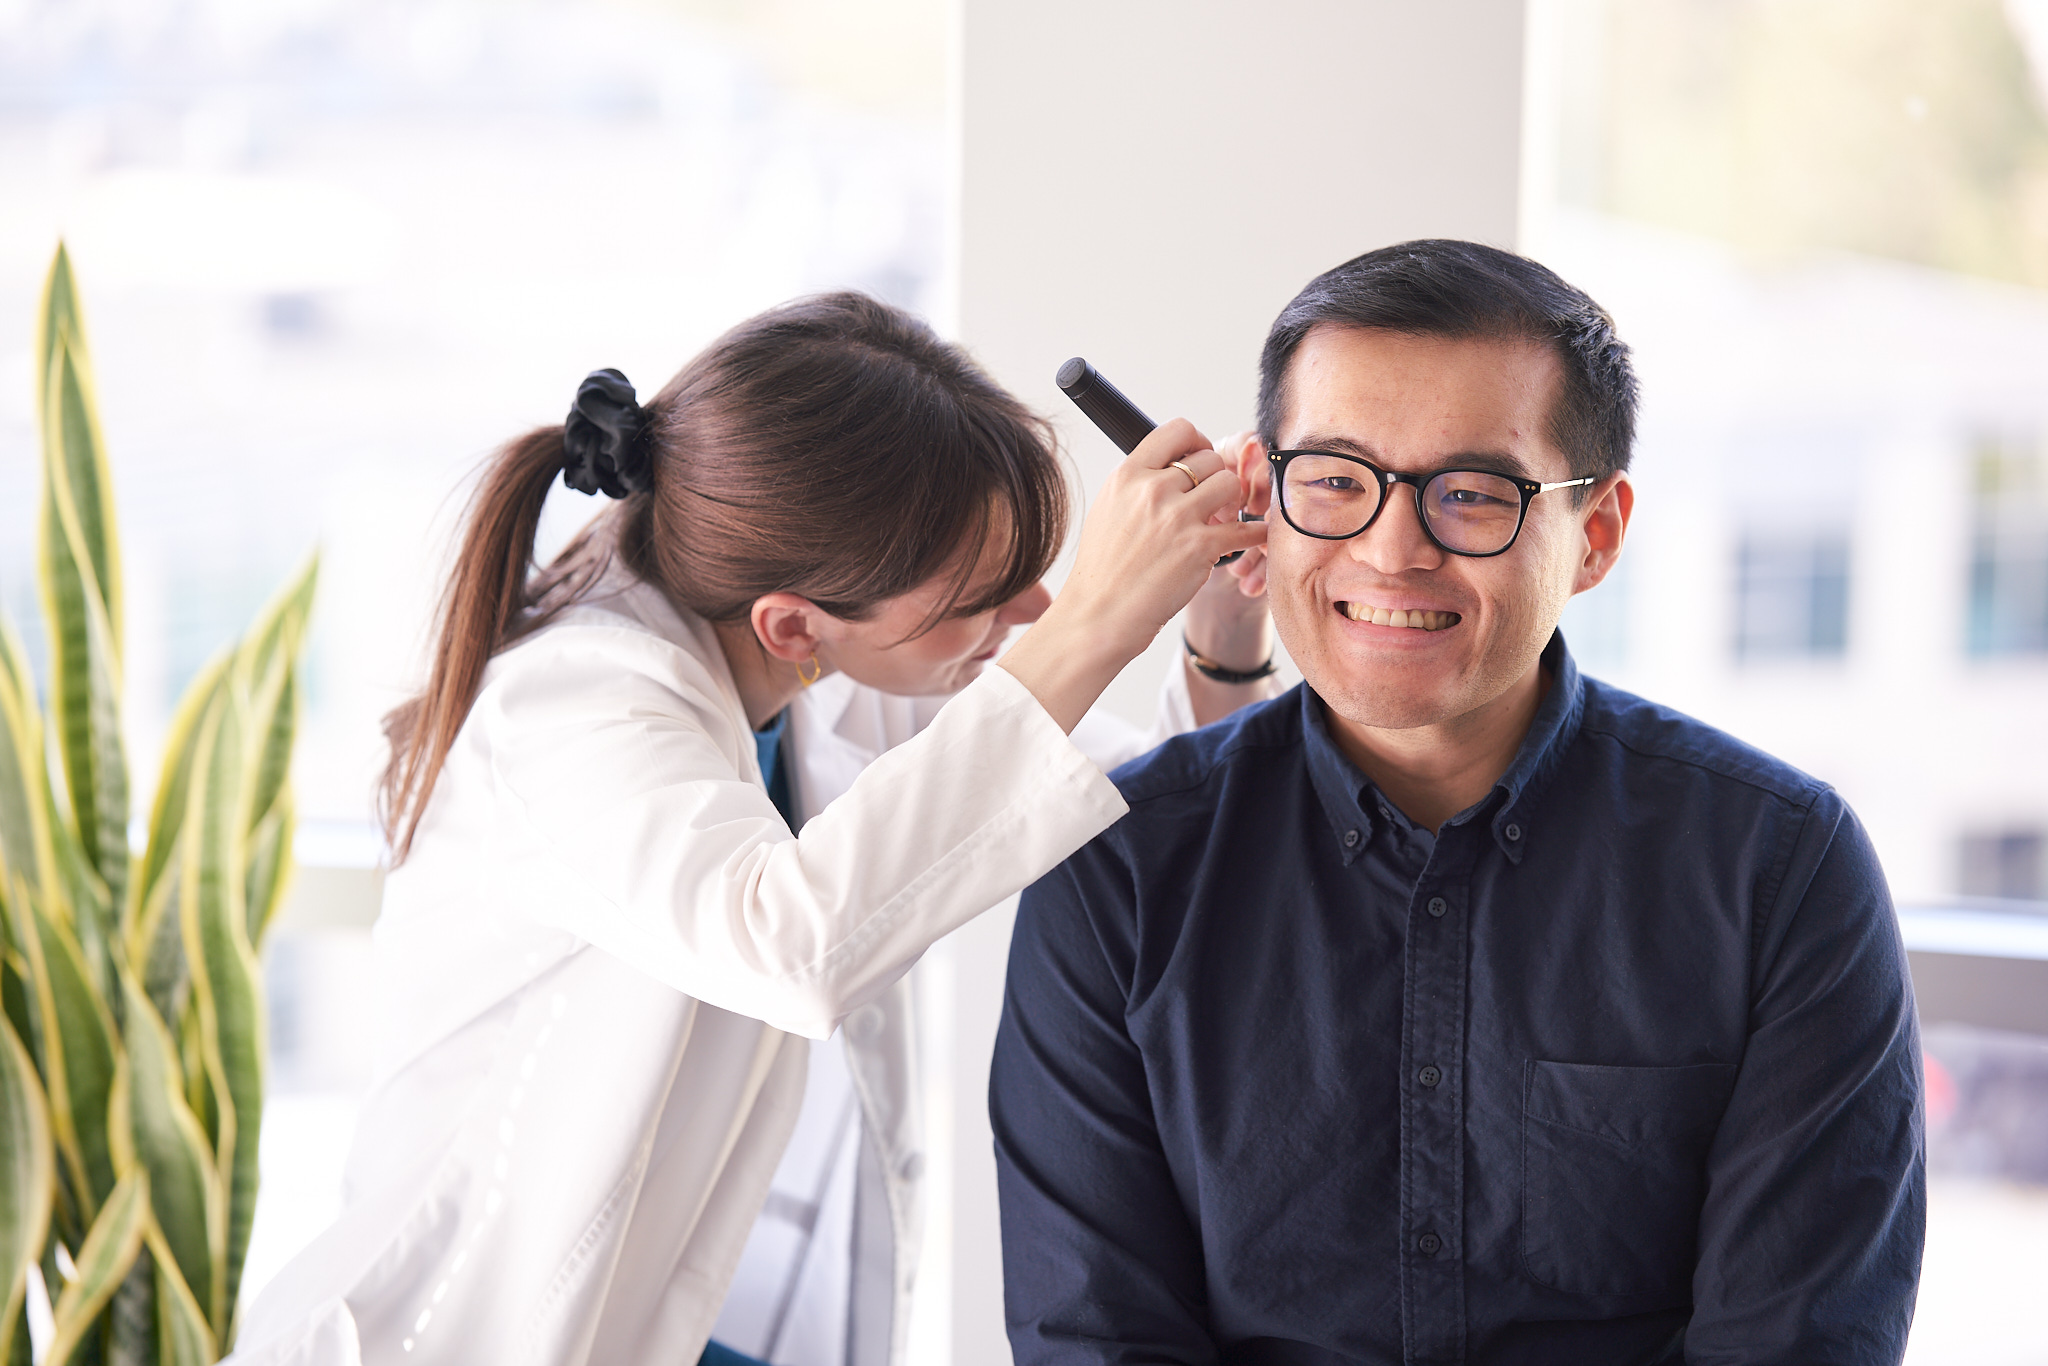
[1417, 620]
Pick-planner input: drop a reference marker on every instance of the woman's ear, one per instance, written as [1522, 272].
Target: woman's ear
[784, 624]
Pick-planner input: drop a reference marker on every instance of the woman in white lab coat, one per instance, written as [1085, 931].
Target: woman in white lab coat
[605, 953]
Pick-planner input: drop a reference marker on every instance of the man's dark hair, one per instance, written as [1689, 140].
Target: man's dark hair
[1444, 288]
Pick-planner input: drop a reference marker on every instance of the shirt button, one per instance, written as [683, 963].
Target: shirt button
[1351, 839]
[1430, 1076]
[1513, 832]
[1437, 905]
[1429, 1244]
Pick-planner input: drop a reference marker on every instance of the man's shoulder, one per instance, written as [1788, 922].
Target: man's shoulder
[1182, 771]
[1649, 737]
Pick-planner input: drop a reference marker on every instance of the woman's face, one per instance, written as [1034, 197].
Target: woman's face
[885, 652]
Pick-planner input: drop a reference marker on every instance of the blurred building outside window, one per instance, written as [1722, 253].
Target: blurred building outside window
[2008, 612]
[1791, 595]
[2007, 864]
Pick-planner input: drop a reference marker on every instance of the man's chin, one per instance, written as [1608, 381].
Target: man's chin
[1379, 708]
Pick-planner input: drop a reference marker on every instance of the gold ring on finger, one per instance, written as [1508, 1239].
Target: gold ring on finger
[1193, 482]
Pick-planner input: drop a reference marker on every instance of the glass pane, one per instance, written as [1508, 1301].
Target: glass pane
[1329, 495]
[2008, 612]
[1792, 595]
[1472, 511]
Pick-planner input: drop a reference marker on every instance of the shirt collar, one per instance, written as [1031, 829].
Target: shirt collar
[1350, 802]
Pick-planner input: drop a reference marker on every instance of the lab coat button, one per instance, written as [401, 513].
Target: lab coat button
[911, 1167]
[865, 1024]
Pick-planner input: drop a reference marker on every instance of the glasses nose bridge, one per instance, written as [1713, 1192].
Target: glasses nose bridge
[1416, 483]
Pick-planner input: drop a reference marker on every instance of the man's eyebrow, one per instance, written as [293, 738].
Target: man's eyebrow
[1500, 462]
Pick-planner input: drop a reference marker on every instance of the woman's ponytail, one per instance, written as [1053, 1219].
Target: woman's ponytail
[487, 595]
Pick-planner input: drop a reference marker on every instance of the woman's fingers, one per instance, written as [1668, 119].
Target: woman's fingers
[1250, 572]
[1197, 466]
[1168, 442]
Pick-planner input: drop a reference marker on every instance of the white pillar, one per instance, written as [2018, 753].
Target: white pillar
[1146, 183]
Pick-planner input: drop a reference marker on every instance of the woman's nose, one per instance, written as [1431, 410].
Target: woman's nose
[1027, 607]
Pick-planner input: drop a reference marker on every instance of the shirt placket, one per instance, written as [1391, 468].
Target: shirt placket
[1432, 1108]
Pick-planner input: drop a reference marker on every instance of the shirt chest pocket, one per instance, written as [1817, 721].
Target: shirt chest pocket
[1613, 1173]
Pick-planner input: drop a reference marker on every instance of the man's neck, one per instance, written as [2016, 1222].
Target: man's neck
[1433, 772]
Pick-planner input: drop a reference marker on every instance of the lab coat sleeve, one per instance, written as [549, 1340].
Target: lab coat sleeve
[631, 815]
[1110, 740]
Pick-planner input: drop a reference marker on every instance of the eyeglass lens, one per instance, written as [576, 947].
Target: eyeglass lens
[1469, 511]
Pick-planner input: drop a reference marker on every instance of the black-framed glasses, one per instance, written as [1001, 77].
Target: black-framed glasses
[1334, 497]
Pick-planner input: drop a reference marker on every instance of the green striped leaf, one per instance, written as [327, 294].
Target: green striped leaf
[81, 576]
[154, 878]
[27, 1177]
[103, 1262]
[268, 660]
[153, 1128]
[181, 1324]
[24, 781]
[270, 865]
[71, 433]
[46, 1016]
[79, 1090]
[227, 989]
[131, 1318]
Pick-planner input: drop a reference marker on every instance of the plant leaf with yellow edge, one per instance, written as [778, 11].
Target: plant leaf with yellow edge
[28, 1178]
[184, 1338]
[80, 582]
[227, 990]
[152, 1127]
[109, 1250]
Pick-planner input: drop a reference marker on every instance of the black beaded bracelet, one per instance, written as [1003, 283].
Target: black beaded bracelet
[1209, 668]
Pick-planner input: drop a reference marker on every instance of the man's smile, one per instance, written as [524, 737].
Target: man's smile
[1413, 618]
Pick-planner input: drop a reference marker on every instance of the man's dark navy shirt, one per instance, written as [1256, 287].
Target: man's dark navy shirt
[1618, 1067]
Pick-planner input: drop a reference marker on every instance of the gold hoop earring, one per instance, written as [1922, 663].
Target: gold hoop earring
[817, 671]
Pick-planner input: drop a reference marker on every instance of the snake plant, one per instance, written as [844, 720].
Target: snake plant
[132, 1044]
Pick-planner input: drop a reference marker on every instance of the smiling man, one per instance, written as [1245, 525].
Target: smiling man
[1457, 1008]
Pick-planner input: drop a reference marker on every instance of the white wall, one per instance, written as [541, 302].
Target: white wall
[1146, 183]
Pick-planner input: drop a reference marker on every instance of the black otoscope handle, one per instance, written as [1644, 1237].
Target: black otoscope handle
[1105, 404]
[1107, 407]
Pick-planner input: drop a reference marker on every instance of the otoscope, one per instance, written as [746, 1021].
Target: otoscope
[1121, 420]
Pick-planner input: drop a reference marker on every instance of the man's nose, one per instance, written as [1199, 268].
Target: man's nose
[1396, 543]
[1027, 607]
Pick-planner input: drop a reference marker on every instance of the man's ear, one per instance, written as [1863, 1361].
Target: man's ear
[1244, 455]
[785, 624]
[1604, 521]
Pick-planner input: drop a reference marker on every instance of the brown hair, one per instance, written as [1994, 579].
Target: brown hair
[833, 447]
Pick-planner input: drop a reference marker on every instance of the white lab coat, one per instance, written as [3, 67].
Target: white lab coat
[826, 1275]
[607, 958]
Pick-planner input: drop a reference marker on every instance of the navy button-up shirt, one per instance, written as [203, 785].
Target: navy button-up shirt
[1619, 1066]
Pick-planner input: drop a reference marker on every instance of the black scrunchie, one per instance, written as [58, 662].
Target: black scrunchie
[603, 445]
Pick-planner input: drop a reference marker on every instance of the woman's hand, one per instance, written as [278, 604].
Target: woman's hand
[1228, 622]
[1147, 547]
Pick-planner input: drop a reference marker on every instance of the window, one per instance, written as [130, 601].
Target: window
[2009, 548]
[1791, 595]
[2006, 863]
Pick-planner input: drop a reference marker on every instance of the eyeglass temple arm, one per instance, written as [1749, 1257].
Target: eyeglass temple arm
[1568, 483]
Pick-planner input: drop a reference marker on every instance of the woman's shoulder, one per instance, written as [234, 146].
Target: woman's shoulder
[617, 646]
